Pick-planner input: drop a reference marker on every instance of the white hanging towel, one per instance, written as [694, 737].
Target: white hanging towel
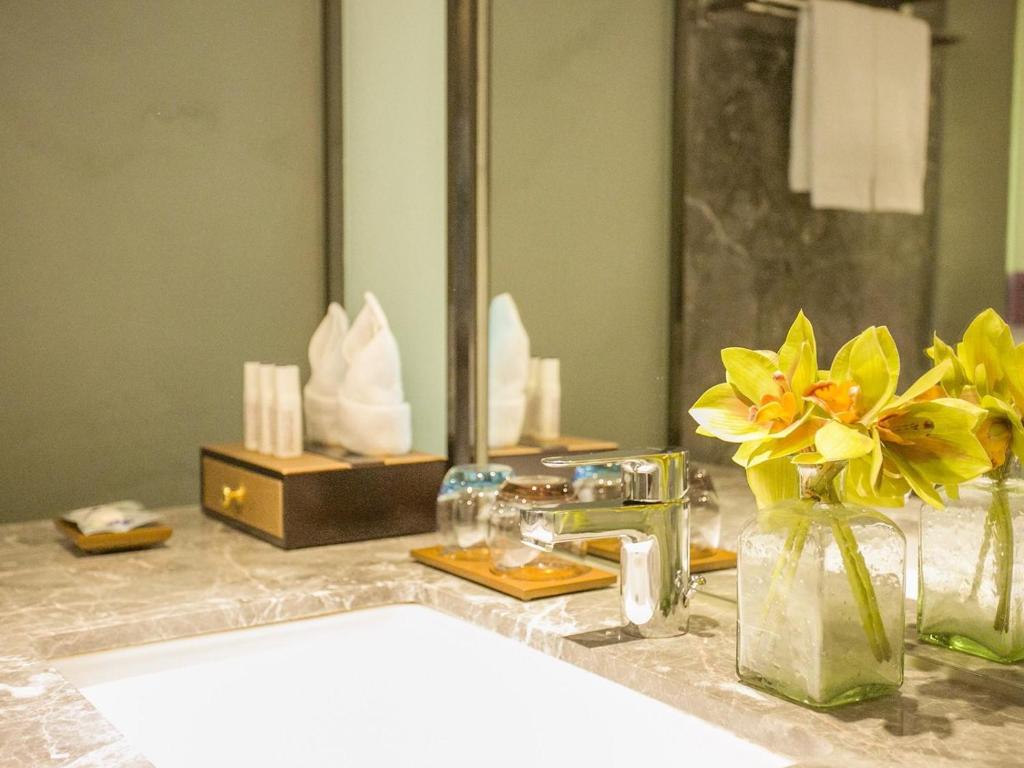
[842, 87]
[902, 96]
[800, 109]
[373, 417]
[859, 127]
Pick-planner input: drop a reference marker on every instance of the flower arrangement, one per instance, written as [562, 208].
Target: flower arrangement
[816, 445]
[986, 370]
[783, 411]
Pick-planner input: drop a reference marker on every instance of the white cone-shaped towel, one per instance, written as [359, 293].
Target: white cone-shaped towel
[508, 362]
[327, 367]
[373, 417]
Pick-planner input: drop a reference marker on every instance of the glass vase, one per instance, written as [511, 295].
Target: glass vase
[820, 597]
[971, 569]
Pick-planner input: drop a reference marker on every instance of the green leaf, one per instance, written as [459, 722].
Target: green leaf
[750, 372]
[773, 447]
[923, 384]
[837, 442]
[875, 367]
[1002, 409]
[924, 488]
[810, 457]
[720, 413]
[954, 380]
[773, 481]
[943, 447]
[798, 357]
[861, 486]
[988, 343]
[840, 370]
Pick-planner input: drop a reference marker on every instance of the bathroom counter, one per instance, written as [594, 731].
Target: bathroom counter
[953, 709]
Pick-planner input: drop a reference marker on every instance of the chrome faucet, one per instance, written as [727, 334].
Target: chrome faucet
[653, 522]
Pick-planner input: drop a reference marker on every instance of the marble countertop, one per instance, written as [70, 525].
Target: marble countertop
[953, 709]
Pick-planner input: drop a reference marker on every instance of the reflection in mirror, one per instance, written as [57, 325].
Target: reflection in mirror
[579, 217]
[920, 236]
[393, 69]
[756, 250]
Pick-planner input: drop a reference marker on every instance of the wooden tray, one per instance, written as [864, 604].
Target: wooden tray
[480, 572]
[701, 560]
[137, 538]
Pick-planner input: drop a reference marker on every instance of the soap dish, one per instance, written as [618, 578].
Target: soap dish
[701, 560]
[137, 538]
[479, 571]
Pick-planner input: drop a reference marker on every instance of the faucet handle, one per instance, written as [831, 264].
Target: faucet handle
[648, 474]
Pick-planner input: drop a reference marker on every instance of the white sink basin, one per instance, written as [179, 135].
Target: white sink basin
[400, 685]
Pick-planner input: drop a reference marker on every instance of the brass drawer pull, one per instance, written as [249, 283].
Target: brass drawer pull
[232, 498]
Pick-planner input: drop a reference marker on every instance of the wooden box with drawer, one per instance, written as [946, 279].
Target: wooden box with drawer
[318, 499]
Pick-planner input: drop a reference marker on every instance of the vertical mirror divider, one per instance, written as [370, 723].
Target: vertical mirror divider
[334, 273]
[483, 229]
[677, 234]
[464, 343]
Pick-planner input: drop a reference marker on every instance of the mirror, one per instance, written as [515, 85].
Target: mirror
[394, 193]
[582, 139]
[580, 160]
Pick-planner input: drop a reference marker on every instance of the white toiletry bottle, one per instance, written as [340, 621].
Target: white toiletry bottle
[549, 400]
[288, 413]
[251, 406]
[268, 384]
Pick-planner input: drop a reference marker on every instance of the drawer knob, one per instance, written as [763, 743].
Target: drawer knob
[232, 498]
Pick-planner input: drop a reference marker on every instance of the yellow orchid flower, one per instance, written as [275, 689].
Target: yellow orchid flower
[987, 370]
[892, 444]
[782, 411]
[761, 398]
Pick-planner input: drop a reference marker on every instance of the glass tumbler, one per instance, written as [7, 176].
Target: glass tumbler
[705, 514]
[464, 505]
[509, 555]
[597, 482]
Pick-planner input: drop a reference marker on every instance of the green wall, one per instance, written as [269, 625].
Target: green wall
[977, 76]
[580, 139]
[161, 223]
[1015, 212]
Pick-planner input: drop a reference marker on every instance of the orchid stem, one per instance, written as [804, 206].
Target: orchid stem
[863, 590]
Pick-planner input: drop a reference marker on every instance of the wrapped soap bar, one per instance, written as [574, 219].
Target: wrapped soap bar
[115, 517]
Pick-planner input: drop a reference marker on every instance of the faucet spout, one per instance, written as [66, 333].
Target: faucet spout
[655, 584]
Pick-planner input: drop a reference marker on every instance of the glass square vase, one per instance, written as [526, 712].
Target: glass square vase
[821, 602]
[971, 570]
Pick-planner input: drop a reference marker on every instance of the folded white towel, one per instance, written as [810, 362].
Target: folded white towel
[327, 367]
[508, 362]
[373, 417]
[903, 58]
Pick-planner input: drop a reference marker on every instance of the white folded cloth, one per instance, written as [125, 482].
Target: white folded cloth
[327, 367]
[508, 361]
[859, 127]
[903, 90]
[113, 517]
[373, 417]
